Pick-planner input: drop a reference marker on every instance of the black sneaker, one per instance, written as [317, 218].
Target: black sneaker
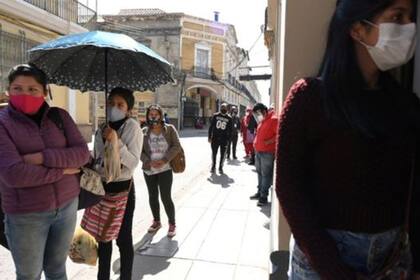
[262, 201]
[234, 157]
[251, 163]
[255, 196]
[221, 170]
[213, 170]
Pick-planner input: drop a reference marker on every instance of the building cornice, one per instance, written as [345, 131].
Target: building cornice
[32, 14]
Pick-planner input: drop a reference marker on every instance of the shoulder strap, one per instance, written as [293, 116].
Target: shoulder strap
[54, 116]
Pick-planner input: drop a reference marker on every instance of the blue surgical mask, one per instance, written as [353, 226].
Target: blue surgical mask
[115, 114]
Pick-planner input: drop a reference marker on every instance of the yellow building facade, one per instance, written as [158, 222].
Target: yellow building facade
[208, 51]
[202, 52]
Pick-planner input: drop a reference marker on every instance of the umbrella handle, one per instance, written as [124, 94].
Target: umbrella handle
[49, 92]
[106, 85]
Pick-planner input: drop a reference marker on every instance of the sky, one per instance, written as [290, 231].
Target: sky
[246, 15]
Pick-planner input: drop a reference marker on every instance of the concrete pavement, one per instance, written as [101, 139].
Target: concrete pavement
[221, 234]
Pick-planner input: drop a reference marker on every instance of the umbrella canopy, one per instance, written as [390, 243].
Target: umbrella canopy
[100, 61]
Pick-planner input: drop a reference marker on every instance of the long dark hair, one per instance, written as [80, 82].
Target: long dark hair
[340, 72]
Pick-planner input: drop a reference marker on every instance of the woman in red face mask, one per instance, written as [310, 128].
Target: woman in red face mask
[41, 151]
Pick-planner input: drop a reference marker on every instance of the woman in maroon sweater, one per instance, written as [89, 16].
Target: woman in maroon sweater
[345, 147]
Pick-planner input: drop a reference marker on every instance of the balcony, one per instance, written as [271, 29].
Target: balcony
[203, 73]
[71, 10]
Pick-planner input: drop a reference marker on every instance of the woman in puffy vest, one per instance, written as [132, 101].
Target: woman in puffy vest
[39, 186]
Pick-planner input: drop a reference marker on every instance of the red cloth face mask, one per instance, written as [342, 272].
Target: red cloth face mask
[27, 104]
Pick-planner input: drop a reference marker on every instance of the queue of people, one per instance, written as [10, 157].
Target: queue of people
[344, 152]
[40, 178]
[259, 133]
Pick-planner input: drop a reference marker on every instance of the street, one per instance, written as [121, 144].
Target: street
[221, 234]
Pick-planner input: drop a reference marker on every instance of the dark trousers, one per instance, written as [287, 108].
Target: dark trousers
[124, 243]
[215, 147]
[232, 144]
[162, 183]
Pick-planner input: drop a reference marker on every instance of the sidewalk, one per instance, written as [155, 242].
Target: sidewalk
[221, 233]
[193, 132]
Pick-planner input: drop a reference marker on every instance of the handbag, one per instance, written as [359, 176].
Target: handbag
[83, 248]
[91, 188]
[104, 219]
[91, 181]
[112, 161]
[396, 267]
[249, 137]
[178, 162]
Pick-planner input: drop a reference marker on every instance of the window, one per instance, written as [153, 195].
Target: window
[13, 50]
[202, 61]
[142, 108]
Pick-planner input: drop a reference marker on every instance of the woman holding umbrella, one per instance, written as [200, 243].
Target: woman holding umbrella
[127, 133]
[39, 186]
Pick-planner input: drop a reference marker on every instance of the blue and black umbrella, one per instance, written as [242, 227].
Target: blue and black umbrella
[100, 61]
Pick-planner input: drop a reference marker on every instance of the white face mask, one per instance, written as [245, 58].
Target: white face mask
[260, 118]
[115, 114]
[396, 45]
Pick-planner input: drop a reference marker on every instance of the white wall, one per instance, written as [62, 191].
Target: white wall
[302, 28]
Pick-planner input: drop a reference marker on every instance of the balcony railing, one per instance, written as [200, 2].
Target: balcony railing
[202, 72]
[13, 50]
[71, 10]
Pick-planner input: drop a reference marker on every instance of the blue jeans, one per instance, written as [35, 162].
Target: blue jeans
[364, 253]
[40, 241]
[264, 163]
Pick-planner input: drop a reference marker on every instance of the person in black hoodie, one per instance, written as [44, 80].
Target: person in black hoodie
[220, 133]
[236, 128]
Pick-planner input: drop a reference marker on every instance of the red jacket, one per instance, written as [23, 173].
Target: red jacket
[267, 130]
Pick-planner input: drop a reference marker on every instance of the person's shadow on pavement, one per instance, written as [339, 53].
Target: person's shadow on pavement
[224, 180]
[233, 162]
[150, 258]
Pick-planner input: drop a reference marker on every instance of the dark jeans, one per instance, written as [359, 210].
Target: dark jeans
[215, 147]
[161, 182]
[362, 252]
[124, 243]
[264, 164]
[233, 142]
